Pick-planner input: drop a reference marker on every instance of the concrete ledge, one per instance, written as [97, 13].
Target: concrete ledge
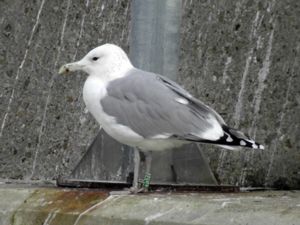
[36, 206]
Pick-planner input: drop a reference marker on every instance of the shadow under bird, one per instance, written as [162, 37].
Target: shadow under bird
[146, 110]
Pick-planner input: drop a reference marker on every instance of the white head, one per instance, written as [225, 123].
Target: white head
[107, 61]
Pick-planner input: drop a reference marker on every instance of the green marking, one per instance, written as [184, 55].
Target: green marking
[146, 182]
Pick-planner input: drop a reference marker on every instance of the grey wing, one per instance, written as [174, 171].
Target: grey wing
[152, 105]
[182, 92]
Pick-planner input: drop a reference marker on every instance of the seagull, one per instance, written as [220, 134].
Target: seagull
[146, 110]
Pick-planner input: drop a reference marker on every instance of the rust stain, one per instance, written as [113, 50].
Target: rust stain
[66, 200]
[57, 205]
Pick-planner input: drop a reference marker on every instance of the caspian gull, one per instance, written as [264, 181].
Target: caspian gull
[146, 110]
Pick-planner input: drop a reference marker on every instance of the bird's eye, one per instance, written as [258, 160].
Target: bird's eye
[95, 58]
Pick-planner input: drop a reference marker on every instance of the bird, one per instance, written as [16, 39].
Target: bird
[146, 110]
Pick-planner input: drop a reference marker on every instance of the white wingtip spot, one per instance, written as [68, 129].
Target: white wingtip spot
[242, 142]
[161, 136]
[229, 139]
[182, 101]
[261, 147]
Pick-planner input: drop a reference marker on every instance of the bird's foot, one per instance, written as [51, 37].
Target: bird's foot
[136, 190]
[145, 185]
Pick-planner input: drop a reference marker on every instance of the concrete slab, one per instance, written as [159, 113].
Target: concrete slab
[244, 208]
[31, 206]
[10, 201]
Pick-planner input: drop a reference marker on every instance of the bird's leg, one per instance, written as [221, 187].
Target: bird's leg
[147, 177]
[137, 160]
[146, 182]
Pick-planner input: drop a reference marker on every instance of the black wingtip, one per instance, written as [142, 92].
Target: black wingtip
[235, 138]
[250, 143]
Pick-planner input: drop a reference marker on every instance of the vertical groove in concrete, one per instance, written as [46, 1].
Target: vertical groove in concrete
[49, 91]
[154, 44]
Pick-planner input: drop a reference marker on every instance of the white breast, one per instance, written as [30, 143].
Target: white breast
[93, 91]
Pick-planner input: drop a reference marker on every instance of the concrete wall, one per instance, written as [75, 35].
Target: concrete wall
[44, 126]
[241, 57]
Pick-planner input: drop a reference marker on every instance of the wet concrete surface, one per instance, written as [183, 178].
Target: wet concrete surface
[49, 205]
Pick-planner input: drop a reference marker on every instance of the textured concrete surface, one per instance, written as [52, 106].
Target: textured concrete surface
[241, 57]
[11, 199]
[47, 206]
[44, 126]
